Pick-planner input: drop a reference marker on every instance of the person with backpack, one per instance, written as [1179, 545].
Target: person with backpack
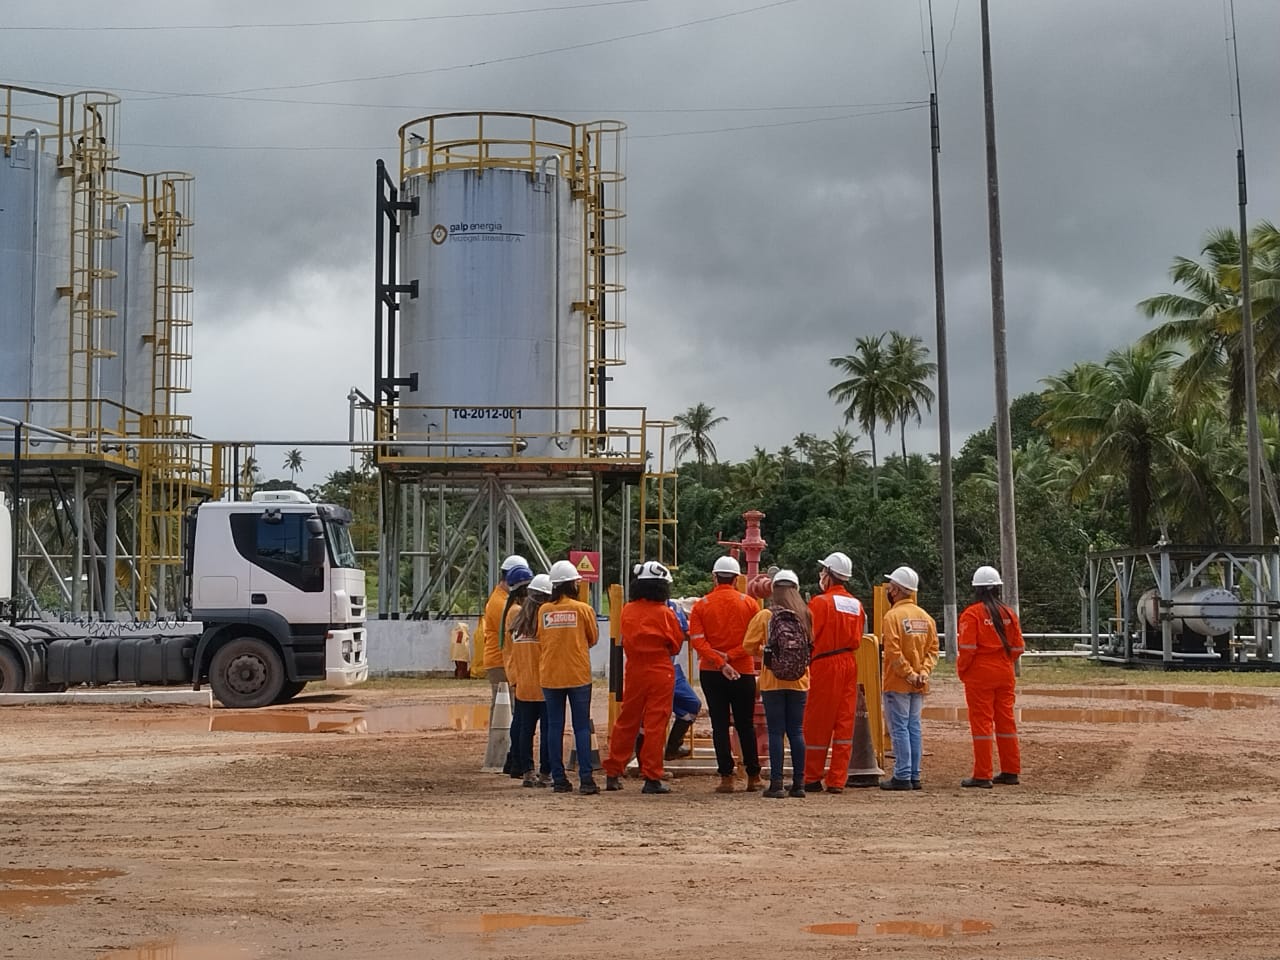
[783, 634]
[909, 653]
[989, 643]
[530, 706]
[838, 622]
[651, 635]
[717, 626]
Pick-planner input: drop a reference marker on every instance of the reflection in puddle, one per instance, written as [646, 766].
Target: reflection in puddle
[22, 889]
[493, 922]
[411, 718]
[906, 928]
[1033, 714]
[174, 949]
[1213, 699]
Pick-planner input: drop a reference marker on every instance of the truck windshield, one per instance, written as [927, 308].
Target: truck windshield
[339, 535]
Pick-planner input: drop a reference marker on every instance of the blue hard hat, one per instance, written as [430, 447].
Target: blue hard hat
[518, 577]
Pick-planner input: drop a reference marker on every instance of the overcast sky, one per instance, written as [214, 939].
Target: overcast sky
[754, 254]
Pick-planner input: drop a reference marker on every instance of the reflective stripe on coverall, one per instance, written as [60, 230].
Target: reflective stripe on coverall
[838, 622]
[651, 634]
[986, 671]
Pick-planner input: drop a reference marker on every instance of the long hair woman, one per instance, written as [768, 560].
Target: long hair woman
[990, 643]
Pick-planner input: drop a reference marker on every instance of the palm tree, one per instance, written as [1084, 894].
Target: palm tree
[841, 455]
[693, 433]
[908, 359]
[756, 478]
[786, 458]
[1205, 319]
[1120, 415]
[805, 442]
[293, 461]
[868, 392]
[249, 473]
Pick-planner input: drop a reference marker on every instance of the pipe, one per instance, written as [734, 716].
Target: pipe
[555, 199]
[35, 246]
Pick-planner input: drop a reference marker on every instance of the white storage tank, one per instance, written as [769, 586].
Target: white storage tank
[1205, 610]
[498, 335]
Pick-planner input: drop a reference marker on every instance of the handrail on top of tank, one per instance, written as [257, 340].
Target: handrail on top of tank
[62, 119]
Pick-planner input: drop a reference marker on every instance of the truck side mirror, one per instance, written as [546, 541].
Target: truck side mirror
[315, 552]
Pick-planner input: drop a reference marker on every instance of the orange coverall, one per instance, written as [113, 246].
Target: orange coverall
[651, 636]
[986, 670]
[838, 622]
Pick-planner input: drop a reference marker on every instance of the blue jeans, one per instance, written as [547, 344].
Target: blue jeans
[531, 714]
[784, 713]
[902, 710]
[579, 700]
[684, 702]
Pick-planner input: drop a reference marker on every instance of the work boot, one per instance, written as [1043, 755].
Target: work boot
[588, 788]
[976, 782]
[562, 786]
[612, 784]
[677, 749]
[893, 783]
[797, 790]
[655, 786]
[529, 780]
[726, 785]
[775, 791]
[544, 780]
[1009, 779]
[754, 783]
[508, 765]
[916, 785]
[815, 787]
[831, 789]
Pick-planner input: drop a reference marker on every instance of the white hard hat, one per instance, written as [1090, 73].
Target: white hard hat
[839, 565]
[515, 560]
[905, 577]
[541, 583]
[727, 565]
[987, 577]
[652, 570]
[562, 571]
[786, 576]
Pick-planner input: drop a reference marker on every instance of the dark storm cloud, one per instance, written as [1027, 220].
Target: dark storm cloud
[753, 255]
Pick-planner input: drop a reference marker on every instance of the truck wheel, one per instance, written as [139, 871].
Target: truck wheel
[289, 690]
[12, 676]
[246, 672]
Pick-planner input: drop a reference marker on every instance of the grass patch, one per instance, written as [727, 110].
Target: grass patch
[1085, 672]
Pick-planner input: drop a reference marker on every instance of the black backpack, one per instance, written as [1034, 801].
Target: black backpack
[789, 648]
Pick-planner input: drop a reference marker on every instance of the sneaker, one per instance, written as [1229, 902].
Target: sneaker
[815, 787]
[613, 784]
[588, 788]
[775, 791]
[976, 782]
[893, 783]
[655, 786]
[797, 790]
[562, 786]
[1009, 779]
[916, 785]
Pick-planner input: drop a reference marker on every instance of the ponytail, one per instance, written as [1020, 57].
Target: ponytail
[989, 597]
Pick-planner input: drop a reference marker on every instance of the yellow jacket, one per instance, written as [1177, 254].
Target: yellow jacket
[757, 636]
[492, 622]
[566, 630]
[910, 645]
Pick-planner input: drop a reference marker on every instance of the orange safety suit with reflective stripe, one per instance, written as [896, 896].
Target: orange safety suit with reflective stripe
[491, 620]
[717, 626]
[566, 631]
[838, 622]
[985, 668]
[651, 636]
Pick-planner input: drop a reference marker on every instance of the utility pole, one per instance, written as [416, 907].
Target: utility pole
[1004, 436]
[944, 394]
[1246, 320]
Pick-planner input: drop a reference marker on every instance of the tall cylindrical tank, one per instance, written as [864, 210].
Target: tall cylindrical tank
[1208, 611]
[500, 333]
[55, 194]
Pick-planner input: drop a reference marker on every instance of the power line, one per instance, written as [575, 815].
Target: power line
[917, 105]
[238, 94]
[66, 28]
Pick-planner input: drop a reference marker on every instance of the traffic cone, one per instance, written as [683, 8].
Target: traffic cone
[495, 755]
[863, 769]
[595, 750]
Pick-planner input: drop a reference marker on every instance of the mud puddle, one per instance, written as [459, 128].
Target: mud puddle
[22, 889]
[1211, 699]
[905, 928]
[175, 949]
[495, 922]
[1064, 715]
[411, 718]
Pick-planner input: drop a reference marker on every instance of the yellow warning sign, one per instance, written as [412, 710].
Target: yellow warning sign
[587, 563]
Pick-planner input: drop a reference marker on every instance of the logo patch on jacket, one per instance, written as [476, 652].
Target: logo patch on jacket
[915, 626]
[559, 618]
[847, 605]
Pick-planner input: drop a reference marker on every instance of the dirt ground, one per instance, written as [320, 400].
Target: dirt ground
[139, 833]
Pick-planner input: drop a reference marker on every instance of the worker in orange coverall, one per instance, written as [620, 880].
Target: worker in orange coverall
[838, 622]
[651, 636]
[989, 643]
